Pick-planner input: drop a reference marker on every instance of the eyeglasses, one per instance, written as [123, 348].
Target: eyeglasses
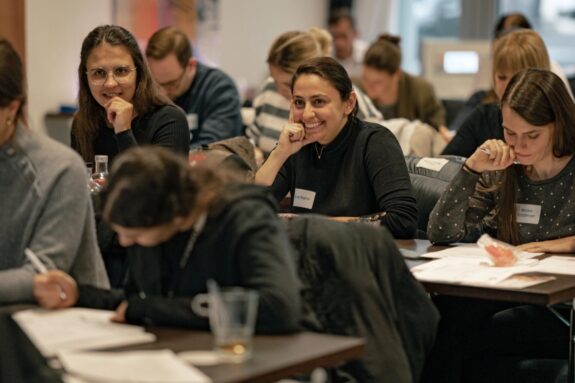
[121, 75]
[174, 83]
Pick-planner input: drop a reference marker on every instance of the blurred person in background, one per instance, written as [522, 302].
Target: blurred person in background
[208, 96]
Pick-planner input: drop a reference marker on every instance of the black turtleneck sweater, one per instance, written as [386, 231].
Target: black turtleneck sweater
[361, 172]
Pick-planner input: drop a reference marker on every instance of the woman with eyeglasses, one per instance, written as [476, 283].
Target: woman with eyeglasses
[120, 106]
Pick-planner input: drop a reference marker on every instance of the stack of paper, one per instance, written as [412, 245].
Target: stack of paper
[467, 266]
[461, 270]
[77, 329]
[470, 250]
[133, 366]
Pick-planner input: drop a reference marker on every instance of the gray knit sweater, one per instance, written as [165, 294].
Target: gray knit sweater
[45, 206]
[546, 208]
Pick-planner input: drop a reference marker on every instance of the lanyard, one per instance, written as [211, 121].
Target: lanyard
[196, 231]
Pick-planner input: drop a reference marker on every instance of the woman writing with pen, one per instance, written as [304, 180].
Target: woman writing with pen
[182, 226]
[45, 205]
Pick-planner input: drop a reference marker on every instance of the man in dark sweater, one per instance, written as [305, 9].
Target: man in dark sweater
[208, 96]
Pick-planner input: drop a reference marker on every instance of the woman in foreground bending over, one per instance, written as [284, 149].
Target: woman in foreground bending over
[181, 227]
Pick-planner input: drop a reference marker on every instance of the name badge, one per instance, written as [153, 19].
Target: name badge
[527, 213]
[435, 164]
[303, 198]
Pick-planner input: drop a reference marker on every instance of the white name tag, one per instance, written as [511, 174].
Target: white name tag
[192, 121]
[303, 198]
[435, 164]
[527, 213]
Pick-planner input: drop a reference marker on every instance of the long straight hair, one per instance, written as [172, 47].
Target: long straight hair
[90, 114]
[540, 98]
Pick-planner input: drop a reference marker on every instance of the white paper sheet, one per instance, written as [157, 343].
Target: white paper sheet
[557, 265]
[77, 329]
[461, 270]
[476, 272]
[131, 366]
[469, 250]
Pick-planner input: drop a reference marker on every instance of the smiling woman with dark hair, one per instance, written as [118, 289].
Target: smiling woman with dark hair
[120, 106]
[331, 162]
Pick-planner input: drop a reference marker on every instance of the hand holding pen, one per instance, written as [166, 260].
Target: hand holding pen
[52, 288]
[491, 155]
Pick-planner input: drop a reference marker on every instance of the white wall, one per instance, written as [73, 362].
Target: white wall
[248, 28]
[55, 30]
[54, 33]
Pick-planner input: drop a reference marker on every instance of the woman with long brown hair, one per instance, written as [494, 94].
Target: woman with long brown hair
[120, 105]
[520, 190]
[526, 178]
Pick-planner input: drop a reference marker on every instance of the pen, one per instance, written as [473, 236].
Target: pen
[41, 268]
[33, 258]
[488, 152]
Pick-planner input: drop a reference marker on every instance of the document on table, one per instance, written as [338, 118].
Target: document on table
[557, 265]
[77, 329]
[130, 366]
[469, 250]
[476, 272]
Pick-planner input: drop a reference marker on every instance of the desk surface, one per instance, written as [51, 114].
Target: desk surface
[559, 290]
[275, 356]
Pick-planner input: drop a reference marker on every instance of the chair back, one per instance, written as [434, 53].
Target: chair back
[429, 178]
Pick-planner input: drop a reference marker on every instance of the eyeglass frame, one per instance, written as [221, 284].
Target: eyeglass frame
[174, 84]
[102, 81]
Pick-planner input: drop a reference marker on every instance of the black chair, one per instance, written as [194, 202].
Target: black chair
[429, 184]
[452, 109]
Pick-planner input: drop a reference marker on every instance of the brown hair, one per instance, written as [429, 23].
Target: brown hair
[519, 49]
[150, 186]
[331, 71]
[540, 98]
[170, 40]
[384, 54]
[12, 85]
[90, 114]
[292, 48]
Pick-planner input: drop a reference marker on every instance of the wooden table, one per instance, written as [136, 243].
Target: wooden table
[559, 290]
[274, 356]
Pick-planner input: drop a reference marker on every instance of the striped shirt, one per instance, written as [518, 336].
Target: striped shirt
[272, 113]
